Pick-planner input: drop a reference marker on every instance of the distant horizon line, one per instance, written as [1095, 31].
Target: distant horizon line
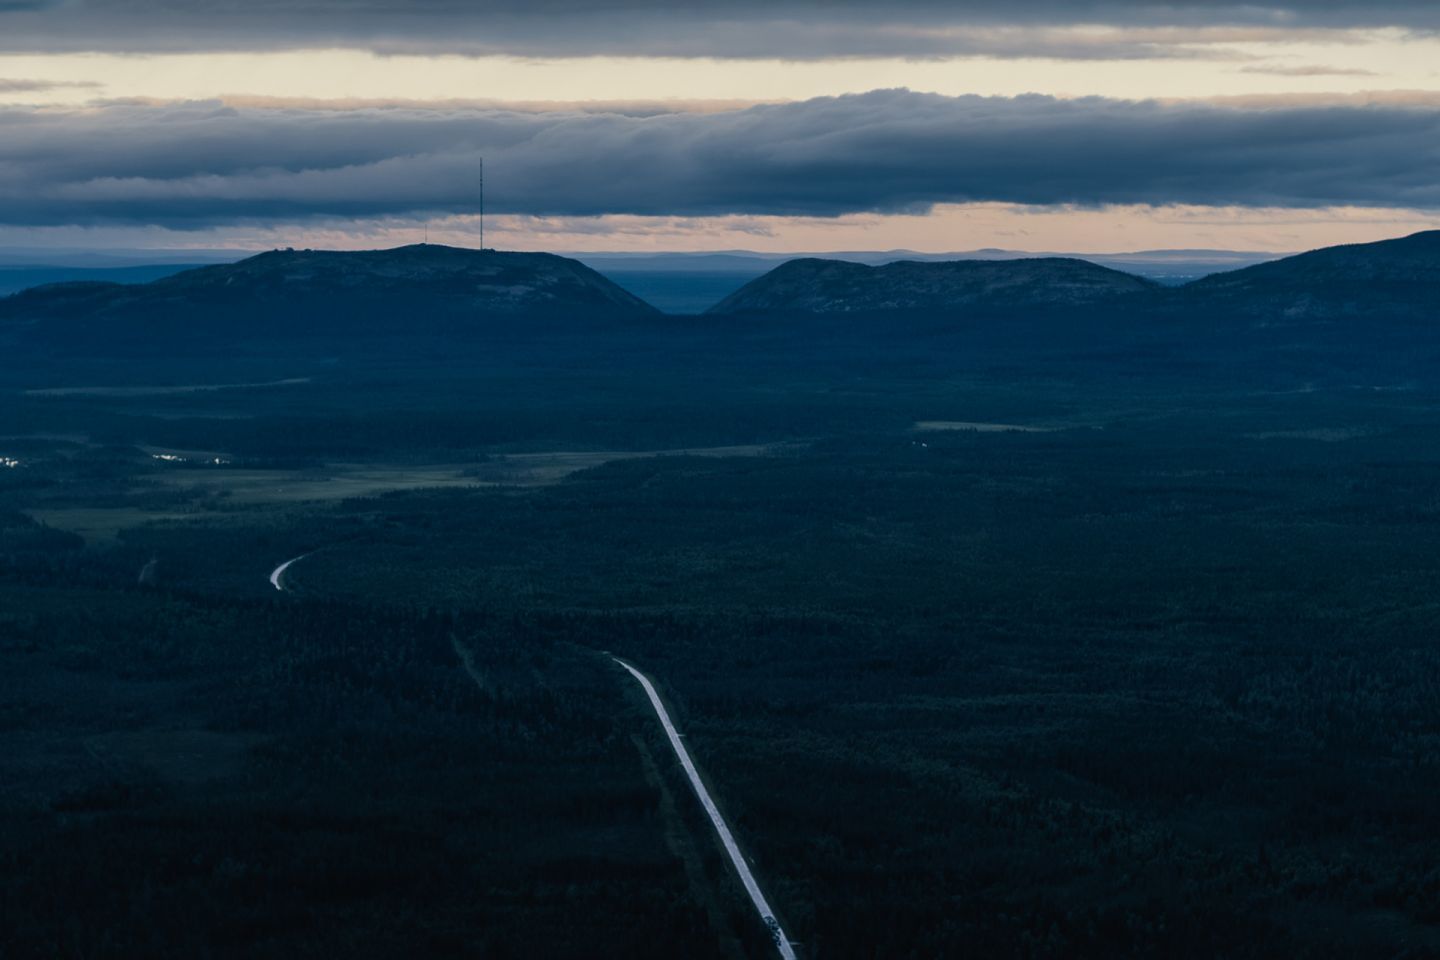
[35, 255]
[16, 258]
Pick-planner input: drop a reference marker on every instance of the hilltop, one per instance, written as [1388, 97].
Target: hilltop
[489, 280]
[837, 286]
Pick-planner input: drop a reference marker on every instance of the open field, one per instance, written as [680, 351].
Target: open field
[102, 525]
[192, 480]
[927, 426]
[343, 481]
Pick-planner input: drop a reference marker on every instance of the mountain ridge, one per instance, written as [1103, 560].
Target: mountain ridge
[429, 289]
[1167, 266]
[840, 286]
[1399, 277]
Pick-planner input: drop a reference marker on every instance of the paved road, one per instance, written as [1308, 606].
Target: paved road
[279, 571]
[782, 943]
[722, 829]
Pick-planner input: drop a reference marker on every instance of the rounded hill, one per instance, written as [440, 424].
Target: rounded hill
[413, 292]
[485, 280]
[820, 286]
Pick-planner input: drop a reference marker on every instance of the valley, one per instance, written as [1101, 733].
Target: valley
[1052, 638]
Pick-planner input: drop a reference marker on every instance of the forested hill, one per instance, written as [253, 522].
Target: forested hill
[838, 286]
[1398, 277]
[436, 297]
[1389, 279]
[410, 290]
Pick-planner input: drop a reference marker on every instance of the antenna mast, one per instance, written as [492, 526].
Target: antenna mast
[482, 204]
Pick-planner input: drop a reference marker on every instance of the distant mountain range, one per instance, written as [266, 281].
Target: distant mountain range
[83, 259]
[13, 279]
[23, 268]
[438, 293]
[1168, 266]
[682, 283]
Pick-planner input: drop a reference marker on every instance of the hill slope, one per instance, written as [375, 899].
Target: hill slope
[1396, 278]
[837, 286]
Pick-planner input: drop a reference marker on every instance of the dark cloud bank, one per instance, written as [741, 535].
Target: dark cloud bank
[196, 165]
[789, 28]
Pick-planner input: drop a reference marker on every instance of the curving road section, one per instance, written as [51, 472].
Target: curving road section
[782, 943]
[278, 573]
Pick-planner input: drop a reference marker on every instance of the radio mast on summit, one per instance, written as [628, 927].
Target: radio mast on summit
[482, 204]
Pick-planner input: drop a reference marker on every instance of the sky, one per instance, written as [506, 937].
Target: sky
[774, 125]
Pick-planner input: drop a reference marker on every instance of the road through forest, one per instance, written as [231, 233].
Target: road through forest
[722, 829]
[717, 820]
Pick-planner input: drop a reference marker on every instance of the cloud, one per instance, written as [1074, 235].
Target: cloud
[634, 108]
[201, 164]
[797, 29]
[1417, 99]
[1309, 71]
[44, 86]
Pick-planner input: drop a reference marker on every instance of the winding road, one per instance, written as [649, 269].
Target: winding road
[279, 572]
[727, 839]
